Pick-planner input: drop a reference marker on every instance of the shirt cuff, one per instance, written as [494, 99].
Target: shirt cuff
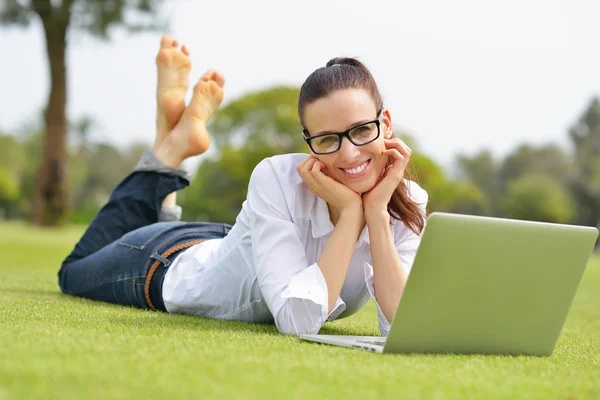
[309, 284]
[384, 325]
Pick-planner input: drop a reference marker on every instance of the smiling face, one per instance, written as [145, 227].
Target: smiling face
[358, 167]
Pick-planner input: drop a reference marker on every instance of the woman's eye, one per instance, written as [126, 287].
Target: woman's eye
[327, 139]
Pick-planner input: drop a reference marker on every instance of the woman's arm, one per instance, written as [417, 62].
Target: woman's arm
[296, 291]
[346, 213]
[389, 277]
[336, 257]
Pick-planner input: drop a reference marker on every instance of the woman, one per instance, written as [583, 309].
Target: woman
[318, 235]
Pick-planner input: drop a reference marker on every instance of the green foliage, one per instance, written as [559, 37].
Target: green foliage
[430, 176]
[13, 155]
[585, 135]
[93, 16]
[246, 131]
[539, 198]
[467, 198]
[220, 186]
[259, 120]
[96, 169]
[549, 160]
[482, 171]
[85, 213]
[9, 188]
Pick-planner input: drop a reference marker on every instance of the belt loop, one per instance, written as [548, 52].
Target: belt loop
[162, 259]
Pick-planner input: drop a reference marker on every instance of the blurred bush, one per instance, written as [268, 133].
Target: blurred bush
[540, 183]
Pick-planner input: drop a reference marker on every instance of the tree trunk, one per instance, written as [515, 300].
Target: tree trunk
[50, 206]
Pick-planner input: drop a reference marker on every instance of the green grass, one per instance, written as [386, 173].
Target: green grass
[57, 346]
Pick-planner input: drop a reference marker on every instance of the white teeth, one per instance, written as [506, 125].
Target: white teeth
[358, 169]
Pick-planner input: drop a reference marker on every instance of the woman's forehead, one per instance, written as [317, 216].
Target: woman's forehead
[339, 111]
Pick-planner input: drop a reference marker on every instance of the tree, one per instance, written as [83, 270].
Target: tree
[548, 160]
[267, 118]
[585, 136]
[58, 17]
[537, 197]
[481, 170]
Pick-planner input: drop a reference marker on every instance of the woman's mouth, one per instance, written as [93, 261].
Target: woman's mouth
[358, 171]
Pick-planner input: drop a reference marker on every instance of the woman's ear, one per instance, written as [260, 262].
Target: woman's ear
[386, 125]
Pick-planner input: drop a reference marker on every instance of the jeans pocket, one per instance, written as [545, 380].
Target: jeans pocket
[140, 238]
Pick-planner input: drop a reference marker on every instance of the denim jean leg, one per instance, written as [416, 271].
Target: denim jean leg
[117, 272]
[134, 203]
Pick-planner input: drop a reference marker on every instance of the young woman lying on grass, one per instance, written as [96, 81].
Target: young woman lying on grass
[317, 236]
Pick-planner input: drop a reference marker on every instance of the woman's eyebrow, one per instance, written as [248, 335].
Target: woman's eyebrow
[362, 121]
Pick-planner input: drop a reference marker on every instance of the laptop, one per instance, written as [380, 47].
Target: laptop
[482, 285]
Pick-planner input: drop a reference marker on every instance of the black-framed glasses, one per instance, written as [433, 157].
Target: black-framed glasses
[331, 142]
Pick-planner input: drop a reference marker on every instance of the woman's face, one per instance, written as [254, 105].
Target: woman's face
[337, 112]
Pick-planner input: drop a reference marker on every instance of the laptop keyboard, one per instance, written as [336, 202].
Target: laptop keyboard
[379, 342]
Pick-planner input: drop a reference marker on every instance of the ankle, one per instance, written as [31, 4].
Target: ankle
[168, 154]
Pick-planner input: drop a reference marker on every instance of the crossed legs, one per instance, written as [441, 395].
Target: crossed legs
[104, 265]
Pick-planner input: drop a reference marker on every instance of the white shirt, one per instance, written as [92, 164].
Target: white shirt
[266, 268]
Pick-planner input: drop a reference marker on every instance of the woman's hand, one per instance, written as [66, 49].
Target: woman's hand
[377, 199]
[334, 193]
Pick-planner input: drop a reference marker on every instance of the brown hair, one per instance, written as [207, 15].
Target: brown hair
[349, 73]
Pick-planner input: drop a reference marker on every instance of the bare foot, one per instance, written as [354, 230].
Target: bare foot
[173, 68]
[190, 136]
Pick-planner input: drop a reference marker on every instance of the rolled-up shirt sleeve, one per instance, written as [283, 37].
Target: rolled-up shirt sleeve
[406, 246]
[295, 292]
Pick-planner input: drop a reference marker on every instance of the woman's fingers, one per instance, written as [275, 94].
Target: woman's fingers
[394, 153]
[304, 162]
[317, 173]
[310, 170]
[398, 145]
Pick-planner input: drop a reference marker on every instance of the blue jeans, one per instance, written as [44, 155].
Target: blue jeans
[111, 261]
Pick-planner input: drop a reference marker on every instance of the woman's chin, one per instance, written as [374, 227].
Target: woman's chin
[362, 187]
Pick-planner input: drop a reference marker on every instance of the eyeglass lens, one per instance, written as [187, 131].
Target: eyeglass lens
[360, 135]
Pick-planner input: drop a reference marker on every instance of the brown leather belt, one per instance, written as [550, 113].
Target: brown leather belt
[156, 263]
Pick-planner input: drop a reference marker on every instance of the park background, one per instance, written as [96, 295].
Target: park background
[500, 100]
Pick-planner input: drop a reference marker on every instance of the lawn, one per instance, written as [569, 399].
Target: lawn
[56, 346]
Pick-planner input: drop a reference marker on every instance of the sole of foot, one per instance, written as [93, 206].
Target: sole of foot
[190, 136]
[173, 68]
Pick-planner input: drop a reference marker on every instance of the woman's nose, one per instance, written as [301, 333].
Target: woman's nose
[348, 151]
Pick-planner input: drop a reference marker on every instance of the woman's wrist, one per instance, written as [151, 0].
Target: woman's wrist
[377, 215]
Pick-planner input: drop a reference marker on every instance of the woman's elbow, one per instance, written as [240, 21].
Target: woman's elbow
[299, 321]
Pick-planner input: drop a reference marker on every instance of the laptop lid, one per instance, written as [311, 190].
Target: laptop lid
[489, 285]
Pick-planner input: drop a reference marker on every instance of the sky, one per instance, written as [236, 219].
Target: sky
[460, 76]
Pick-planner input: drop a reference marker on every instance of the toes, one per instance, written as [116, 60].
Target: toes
[213, 75]
[175, 44]
[185, 50]
[165, 41]
[219, 78]
[207, 76]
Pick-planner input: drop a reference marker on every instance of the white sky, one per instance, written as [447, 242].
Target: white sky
[460, 75]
